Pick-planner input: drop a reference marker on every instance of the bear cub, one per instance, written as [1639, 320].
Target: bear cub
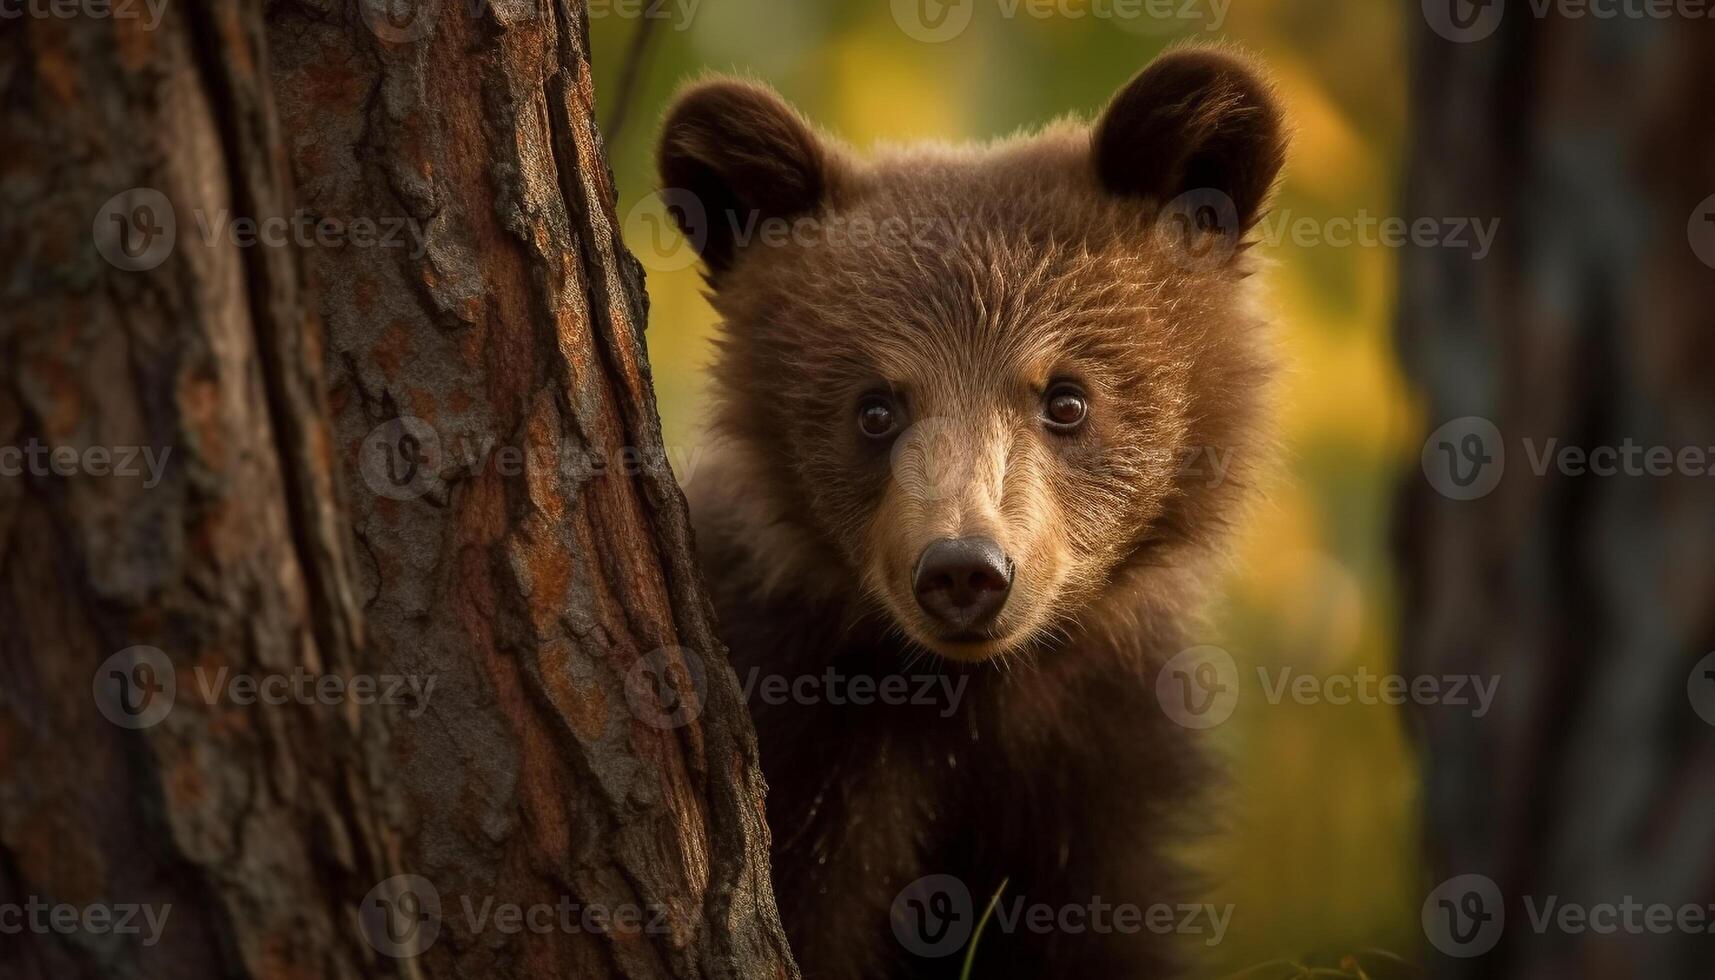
[983, 416]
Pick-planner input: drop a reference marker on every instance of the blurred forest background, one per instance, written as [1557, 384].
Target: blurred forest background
[1318, 850]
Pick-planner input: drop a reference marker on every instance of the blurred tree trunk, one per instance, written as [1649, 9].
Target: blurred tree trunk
[393, 446]
[1592, 598]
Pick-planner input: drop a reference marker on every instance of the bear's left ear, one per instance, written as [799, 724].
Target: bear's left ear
[1194, 119]
[743, 154]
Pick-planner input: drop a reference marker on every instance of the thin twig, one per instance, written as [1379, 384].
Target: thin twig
[630, 73]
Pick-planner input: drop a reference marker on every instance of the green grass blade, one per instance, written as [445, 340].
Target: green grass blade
[976, 937]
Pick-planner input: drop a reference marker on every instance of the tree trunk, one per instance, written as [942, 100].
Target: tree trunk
[406, 437]
[1588, 596]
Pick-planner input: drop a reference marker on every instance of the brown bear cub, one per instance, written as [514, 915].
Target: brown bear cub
[984, 415]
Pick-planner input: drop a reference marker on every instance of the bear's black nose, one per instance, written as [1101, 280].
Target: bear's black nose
[963, 582]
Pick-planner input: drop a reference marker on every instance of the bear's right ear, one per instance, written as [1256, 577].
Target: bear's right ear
[1196, 119]
[744, 156]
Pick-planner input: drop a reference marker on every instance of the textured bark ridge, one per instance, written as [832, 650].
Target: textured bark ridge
[1593, 779]
[414, 439]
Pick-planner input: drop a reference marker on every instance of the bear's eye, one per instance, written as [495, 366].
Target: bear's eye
[876, 417]
[1064, 407]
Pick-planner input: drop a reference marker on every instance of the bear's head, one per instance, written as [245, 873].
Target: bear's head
[992, 393]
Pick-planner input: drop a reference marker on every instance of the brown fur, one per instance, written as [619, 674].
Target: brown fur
[1033, 259]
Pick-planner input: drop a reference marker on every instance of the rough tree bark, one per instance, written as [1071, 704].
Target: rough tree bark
[1593, 779]
[395, 446]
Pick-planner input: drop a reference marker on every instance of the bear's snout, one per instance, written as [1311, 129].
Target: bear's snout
[962, 583]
